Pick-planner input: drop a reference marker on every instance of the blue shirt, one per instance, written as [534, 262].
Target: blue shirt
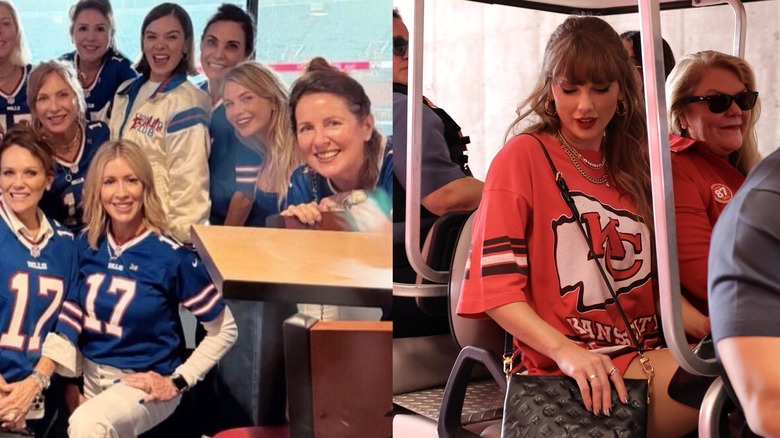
[233, 166]
[32, 288]
[126, 314]
[13, 107]
[99, 96]
[63, 201]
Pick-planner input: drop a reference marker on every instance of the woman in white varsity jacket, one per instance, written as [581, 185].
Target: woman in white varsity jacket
[168, 117]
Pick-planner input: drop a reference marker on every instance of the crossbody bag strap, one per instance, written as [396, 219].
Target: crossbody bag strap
[561, 183]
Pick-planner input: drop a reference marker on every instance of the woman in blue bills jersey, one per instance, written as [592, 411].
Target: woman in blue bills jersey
[58, 111]
[125, 319]
[168, 117]
[256, 104]
[38, 268]
[347, 160]
[101, 67]
[228, 39]
[14, 68]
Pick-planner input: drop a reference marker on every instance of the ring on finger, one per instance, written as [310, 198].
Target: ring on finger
[612, 371]
[591, 377]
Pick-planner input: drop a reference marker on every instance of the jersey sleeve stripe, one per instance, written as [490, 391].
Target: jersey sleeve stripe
[73, 309]
[504, 255]
[248, 169]
[69, 321]
[251, 180]
[208, 306]
[200, 296]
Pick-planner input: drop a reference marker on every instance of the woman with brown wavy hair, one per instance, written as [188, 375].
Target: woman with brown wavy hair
[533, 271]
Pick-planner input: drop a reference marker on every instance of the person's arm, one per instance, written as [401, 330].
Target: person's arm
[238, 209]
[186, 155]
[21, 394]
[460, 194]
[248, 165]
[751, 364]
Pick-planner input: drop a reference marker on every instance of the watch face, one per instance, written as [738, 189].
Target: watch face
[179, 383]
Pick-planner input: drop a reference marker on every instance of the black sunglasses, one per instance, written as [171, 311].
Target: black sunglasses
[720, 103]
[400, 46]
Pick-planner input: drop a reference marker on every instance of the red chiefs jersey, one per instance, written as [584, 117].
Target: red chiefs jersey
[526, 248]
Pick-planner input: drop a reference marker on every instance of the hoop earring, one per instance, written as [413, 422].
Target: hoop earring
[621, 109]
[549, 108]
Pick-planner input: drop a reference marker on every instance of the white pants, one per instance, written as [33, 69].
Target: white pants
[113, 409]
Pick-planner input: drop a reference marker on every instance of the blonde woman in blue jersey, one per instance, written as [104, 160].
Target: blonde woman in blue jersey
[14, 68]
[125, 319]
[168, 117]
[59, 112]
[256, 104]
[38, 268]
[101, 67]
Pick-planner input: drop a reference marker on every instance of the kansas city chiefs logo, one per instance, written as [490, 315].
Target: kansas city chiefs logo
[621, 244]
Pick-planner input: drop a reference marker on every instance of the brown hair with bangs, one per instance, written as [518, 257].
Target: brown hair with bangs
[587, 49]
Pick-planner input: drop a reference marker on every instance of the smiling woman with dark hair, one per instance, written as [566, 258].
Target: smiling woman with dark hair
[168, 117]
[38, 269]
[345, 155]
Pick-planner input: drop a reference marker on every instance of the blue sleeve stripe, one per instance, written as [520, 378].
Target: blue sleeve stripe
[187, 119]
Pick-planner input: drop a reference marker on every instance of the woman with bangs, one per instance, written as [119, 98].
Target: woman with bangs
[531, 269]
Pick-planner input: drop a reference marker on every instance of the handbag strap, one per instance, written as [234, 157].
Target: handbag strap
[561, 183]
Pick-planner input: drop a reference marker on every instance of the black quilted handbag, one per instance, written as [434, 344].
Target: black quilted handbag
[551, 406]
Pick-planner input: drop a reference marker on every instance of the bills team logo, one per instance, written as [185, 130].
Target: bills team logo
[146, 124]
[621, 245]
[721, 193]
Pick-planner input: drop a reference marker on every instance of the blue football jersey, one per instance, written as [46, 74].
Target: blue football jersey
[13, 107]
[63, 201]
[34, 281]
[126, 312]
[232, 165]
[100, 94]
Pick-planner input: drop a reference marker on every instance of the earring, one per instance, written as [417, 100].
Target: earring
[549, 108]
[621, 109]
[683, 127]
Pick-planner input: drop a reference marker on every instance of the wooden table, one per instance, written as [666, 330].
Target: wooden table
[298, 266]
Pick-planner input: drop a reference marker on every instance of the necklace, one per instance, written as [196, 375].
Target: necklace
[577, 153]
[603, 180]
[4, 79]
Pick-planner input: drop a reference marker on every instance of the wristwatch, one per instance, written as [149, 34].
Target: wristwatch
[180, 383]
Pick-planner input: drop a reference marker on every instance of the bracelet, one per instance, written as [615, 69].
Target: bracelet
[42, 380]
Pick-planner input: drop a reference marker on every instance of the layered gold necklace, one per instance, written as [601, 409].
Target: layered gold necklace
[575, 156]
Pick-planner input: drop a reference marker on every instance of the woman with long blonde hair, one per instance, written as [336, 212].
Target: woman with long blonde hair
[256, 104]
